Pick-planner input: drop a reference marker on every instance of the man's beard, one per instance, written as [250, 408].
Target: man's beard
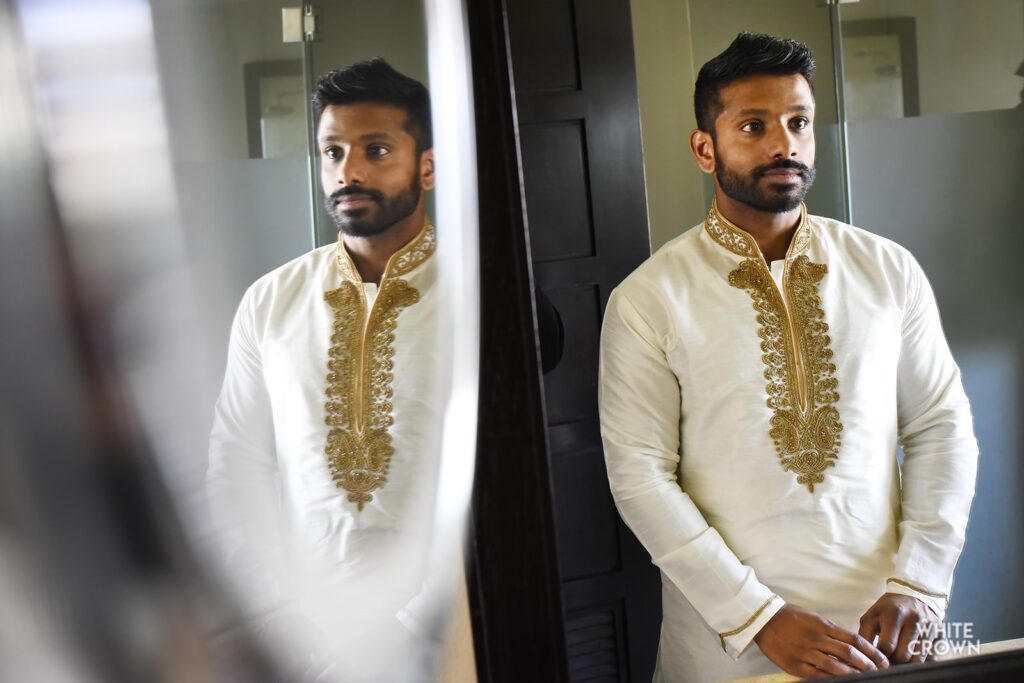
[747, 190]
[363, 222]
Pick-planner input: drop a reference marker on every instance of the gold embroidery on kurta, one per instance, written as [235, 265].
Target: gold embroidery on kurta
[360, 365]
[801, 384]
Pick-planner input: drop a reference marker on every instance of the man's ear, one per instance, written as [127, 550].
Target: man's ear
[703, 148]
[427, 169]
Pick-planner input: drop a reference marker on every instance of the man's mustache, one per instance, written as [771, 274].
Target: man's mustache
[353, 191]
[780, 164]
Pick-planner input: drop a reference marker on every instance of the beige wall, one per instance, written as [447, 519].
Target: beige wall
[665, 76]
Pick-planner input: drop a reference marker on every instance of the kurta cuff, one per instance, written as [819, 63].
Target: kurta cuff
[936, 601]
[724, 591]
[736, 641]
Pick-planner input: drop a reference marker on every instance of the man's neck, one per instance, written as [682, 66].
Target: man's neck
[772, 231]
[370, 255]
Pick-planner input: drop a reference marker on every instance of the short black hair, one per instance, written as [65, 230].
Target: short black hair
[374, 80]
[751, 54]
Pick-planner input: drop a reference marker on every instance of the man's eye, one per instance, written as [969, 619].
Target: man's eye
[377, 151]
[752, 127]
[332, 153]
[800, 123]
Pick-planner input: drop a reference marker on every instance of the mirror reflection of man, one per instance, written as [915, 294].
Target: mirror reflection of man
[757, 375]
[319, 430]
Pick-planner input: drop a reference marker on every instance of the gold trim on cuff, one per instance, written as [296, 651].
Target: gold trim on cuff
[747, 623]
[893, 579]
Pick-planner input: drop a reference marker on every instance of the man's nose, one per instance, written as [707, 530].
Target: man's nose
[351, 170]
[784, 144]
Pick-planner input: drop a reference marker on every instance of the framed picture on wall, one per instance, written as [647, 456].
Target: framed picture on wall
[275, 109]
[880, 79]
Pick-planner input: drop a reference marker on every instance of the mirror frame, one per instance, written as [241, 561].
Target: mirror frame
[511, 545]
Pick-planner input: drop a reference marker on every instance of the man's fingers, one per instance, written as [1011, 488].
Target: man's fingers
[888, 635]
[923, 646]
[848, 654]
[830, 665]
[869, 626]
[902, 655]
[808, 671]
[856, 640]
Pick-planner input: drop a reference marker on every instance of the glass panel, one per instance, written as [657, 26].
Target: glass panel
[946, 185]
[234, 103]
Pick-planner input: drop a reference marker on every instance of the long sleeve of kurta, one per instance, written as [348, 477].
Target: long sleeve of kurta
[940, 453]
[242, 477]
[640, 427]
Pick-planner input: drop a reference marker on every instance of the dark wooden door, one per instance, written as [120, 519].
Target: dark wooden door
[582, 165]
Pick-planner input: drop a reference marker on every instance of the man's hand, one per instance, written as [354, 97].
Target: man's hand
[806, 644]
[898, 620]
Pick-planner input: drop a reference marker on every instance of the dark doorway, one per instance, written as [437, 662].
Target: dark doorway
[560, 590]
[582, 165]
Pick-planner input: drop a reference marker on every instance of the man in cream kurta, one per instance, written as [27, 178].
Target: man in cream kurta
[753, 395]
[324, 429]
[327, 397]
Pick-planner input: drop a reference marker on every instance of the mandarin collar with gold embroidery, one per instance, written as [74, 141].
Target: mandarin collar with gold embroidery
[402, 262]
[740, 242]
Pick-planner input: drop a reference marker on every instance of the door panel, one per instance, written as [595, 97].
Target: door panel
[557, 190]
[583, 177]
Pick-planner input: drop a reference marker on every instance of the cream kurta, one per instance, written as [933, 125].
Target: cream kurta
[751, 418]
[326, 420]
